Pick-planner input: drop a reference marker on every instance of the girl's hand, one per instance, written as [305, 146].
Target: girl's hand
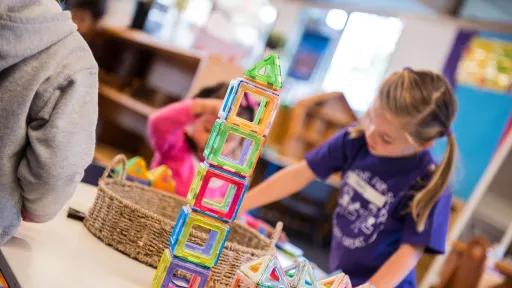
[206, 106]
[394, 270]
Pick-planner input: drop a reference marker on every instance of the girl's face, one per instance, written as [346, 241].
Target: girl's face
[200, 129]
[384, 134]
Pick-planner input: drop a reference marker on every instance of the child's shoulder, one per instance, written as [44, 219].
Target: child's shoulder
[428, 164]
[345, 141]
[427, 167]
[351, 135]
[348, 141]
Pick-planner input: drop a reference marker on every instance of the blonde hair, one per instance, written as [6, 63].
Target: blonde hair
[426, 102]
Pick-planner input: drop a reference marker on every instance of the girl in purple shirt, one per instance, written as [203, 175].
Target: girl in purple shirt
[393, 204]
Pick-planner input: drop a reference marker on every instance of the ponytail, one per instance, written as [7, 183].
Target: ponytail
[428, 196]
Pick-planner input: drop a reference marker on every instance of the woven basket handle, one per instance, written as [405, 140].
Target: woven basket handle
[277, 233]
[119, 159]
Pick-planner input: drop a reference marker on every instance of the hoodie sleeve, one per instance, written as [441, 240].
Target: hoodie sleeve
[61, 139]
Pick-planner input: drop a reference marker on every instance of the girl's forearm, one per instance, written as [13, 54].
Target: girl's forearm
[208, 106]
[397, 266]
[169, 118]
[280, 185]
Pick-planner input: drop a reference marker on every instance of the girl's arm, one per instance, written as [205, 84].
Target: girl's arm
[397, 266]
[176, 116]
[280, 185]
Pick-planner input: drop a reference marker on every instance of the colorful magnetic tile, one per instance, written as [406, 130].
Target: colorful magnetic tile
[340, 280]
[161, 269]
[300, 274]
[136, 170]
[274, 276]
[254, 270]
[136, 167]
[267, 72]
[241, 281]
[3, 281]
[161, 178]
[219, 193]
[209, 252]
[217, 150]
[229, 98]
[263, 101]
[196, 184]
[184, 274]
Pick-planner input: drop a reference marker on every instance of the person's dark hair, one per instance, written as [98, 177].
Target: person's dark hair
[218, 91]
[96, 7]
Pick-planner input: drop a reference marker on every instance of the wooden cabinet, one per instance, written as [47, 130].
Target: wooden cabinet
[137, 76]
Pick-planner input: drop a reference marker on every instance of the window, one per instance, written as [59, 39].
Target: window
[361, 57]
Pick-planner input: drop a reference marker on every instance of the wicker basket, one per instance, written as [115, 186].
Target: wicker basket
[137, 221]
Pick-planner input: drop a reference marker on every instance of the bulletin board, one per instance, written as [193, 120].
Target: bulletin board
[480, 70]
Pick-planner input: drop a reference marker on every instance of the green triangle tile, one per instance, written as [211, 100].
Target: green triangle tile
[267, 71]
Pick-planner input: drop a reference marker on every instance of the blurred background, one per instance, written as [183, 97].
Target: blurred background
[334, 54]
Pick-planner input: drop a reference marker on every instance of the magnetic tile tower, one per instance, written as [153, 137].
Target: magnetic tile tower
[187, 264]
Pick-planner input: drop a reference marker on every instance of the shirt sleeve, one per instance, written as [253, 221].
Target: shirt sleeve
[433, 237]
[168, 123]
[329, 157]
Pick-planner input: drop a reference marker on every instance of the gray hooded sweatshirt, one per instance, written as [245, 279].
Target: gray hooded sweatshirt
[48, 110]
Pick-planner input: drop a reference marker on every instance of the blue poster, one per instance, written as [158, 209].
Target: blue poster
[312, 47]
[479, 124]
[484, 103]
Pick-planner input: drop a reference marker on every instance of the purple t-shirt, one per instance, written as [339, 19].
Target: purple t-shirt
[371, 219]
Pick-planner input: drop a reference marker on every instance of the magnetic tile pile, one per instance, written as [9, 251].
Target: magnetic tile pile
[159, 177]
[187, 264]
[267, 272]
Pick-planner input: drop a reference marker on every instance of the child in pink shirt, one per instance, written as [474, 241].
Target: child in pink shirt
[178, 134]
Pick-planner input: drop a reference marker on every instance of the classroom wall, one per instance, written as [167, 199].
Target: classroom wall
[287, 18]
[119, 12]
[425, 43]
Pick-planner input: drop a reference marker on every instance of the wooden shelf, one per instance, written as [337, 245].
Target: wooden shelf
[143, 40]
[311, 138]
[140, 74]
[125, 100]
[103, 153]
[331, 116]
[313, 120]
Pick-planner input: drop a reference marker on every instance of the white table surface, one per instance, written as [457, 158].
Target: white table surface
[62, 253]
